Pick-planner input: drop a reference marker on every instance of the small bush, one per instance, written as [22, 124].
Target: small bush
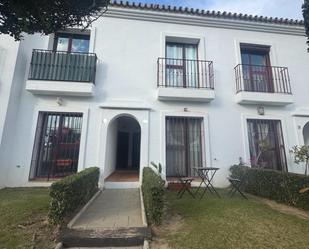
[71, 192]
[276, 185]
[153, 195]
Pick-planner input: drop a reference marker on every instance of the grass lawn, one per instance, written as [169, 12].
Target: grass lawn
[23, 219]
[229, 223]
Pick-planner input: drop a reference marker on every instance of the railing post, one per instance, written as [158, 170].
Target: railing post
[260, 78]
[158, 72]
[185, 73]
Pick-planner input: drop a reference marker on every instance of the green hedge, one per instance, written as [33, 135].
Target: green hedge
[153, 195]
[71, 192]
[276, 185]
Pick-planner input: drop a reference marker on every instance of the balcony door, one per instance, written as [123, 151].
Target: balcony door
[257, 72]
[181, 65]
[184, 145]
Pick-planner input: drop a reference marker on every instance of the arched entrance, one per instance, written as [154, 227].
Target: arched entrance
[123, 149]
[306, 134]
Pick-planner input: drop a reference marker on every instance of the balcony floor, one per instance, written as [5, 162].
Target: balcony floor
[60, 88]
[262, 98]
[185, 94]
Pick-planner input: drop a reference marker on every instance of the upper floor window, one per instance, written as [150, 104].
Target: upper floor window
[255, 55]
[257, 72]
[181, 64]
[72, 42]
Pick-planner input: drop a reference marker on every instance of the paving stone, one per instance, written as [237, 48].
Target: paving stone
[112, 209]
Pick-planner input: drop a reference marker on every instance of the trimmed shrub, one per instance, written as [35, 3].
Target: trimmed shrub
[276, 185]
[71, 192]
[153, 195]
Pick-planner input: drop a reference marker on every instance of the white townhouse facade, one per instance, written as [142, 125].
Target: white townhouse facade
[149, 83]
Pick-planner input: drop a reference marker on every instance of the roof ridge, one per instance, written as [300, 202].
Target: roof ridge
[202, 12]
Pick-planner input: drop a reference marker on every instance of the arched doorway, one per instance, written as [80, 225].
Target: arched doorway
[123, 149]
[306, 134]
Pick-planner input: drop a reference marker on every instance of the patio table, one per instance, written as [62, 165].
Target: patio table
[206, 174]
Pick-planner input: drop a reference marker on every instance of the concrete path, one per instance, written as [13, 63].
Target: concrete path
[135, 247]
[112, 209]
[112, 219]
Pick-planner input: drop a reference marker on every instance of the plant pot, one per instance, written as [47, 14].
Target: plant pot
[176, 186]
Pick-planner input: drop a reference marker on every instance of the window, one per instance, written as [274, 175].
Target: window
[71, 42]
[256, 68]
[57, 142]
[181, 65]
[266, 144]
[184, 145]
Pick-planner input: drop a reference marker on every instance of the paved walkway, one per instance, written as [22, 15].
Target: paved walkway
[135, 247]
[112, 209]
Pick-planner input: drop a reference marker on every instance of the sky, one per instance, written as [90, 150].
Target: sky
[273, 8]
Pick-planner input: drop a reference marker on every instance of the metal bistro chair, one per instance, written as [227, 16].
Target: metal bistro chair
[185, 184]
[236, 186]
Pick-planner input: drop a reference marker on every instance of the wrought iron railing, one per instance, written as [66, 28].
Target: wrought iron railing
[185, 73]
[256, 78]
[62, 66]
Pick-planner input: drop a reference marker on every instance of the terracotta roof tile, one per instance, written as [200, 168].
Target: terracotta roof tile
[207, 13]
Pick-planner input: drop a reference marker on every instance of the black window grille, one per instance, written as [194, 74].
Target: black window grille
[266, 144]
[56, 147]
[184, 145]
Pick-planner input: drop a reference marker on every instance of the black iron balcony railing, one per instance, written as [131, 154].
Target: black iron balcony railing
[183, 73]
[256, 78]
[62, 66]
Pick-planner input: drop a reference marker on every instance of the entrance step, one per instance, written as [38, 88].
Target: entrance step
[121, 237]
[121, 185]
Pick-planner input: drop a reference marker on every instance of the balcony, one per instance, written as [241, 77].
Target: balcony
[267, 85]
[61, 73]
[185, 80]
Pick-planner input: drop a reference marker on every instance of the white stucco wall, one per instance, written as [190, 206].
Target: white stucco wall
[8, 57]
[126, 73]
[111, 148]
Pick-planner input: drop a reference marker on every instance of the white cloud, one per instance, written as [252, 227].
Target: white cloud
[274, 8]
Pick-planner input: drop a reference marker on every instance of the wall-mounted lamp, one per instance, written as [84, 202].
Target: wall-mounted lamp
[260, 110]
[59, 101]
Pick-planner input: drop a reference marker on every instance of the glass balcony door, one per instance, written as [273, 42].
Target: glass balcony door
[181, 65]
[257, 72]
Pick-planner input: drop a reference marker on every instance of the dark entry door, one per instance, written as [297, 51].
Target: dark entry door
[122, 150]
[136, 150]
